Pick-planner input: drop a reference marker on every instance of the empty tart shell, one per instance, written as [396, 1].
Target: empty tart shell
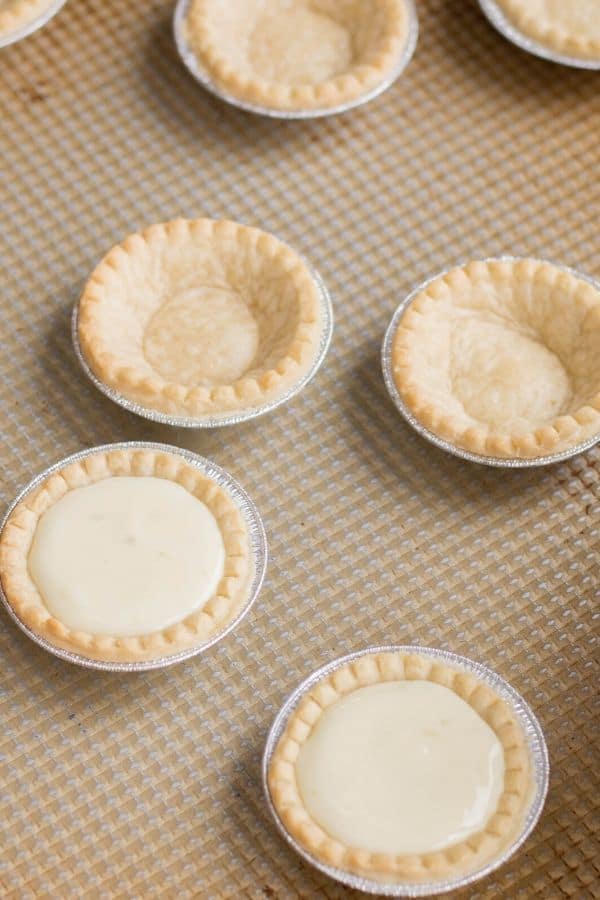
[195, 318]
[28, 604]
[502, 358]
[569, 27]
[303, 54]
[14, 14]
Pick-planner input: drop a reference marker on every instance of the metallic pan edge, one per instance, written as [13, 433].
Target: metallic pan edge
[526, 718]
[233, 418]
[498, 462]
[192, 63]
[496, 16]
[17, 34]
[258, 553]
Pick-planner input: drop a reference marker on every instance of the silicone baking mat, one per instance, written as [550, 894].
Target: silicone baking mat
[148, 785]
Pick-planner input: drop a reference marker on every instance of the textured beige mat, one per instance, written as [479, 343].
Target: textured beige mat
[148, 786]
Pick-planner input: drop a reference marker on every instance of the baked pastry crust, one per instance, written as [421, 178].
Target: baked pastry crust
[532, 333]
[27, 603]
[144, 276]
[15, 14]
[397, 666]
[376, 33]
[564, 28]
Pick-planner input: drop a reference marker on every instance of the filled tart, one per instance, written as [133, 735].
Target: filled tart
[361, 775]
[126, 555]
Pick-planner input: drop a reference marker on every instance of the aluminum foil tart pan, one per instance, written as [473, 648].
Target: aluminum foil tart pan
[498, 18]
[498, 462]
[536, 745]
[11, 37]
[228, 418]
[194, 65]
[258, 556]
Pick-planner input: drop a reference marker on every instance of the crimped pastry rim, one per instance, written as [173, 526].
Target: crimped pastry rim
[534, 746]
[215, 421]
[332, 96]
[497, 17]
[25, 18]
[570, 47]
[178, 404]
[192, 63]
[473, 453]
[231, 601]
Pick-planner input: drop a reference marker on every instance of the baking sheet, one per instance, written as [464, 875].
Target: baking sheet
[149, 785]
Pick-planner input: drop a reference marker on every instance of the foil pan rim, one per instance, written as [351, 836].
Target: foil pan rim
[193, 65]
[258, 551]
[441, 443]
[537, 747]
[225, 419]
[17, 34]
[497, 17]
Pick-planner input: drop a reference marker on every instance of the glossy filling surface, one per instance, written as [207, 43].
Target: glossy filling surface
[126, 556]
[403, 767]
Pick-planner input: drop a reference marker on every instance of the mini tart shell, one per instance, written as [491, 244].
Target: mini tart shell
[27, 603]
[20, 13]
[550, 35]
[397, 666]
[344, 88]
[564, 432]
[152, 390]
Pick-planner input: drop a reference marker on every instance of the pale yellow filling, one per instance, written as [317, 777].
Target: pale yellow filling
[403, 767]
[126, 556]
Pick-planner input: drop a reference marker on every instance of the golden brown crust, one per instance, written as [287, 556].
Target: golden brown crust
[396, 666]
[247, 251]
[20, 12]
[28, 605]
[549, 33]
[362, 77]
[570, 298]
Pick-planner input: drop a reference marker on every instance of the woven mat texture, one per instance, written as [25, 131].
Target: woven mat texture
[148, 785]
